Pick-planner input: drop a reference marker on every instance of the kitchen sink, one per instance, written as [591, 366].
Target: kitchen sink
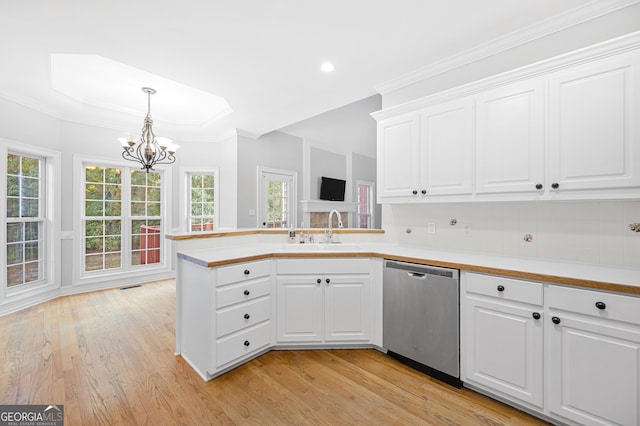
[320, 247]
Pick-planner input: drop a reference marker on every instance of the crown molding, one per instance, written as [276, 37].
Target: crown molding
[514, 39]
[626, 43]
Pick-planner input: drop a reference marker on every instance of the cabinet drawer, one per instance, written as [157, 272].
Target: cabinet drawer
[586, 302]
[323, 266]
[242, 344]
[505, 288]
[243, 272]
[241, 292]
[242, 316]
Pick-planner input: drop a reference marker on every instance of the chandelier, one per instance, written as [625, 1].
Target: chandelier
[151, 150]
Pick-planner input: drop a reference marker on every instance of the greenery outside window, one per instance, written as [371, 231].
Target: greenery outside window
[122, 218]
[25, 219]
[201, 214]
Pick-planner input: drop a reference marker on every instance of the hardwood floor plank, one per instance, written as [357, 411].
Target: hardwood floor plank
[108, 357]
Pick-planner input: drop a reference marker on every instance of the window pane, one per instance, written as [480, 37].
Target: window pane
[196, 209]
[153, 209]
[13, 186]
[112, 208]
[196, 195]
[30, 167]
[153, 194]
[93, 262]
[31, 272]
[94, 208]
[30, 208]
[93, 245]
[31, 252]
[14, 253]
[30, 187]
[15, 275]
[13, 207]
[112, 192]
[113, 175]
[138, 177]
[113, 260]
[138, 193]
[208, 181]
[137, 209]
[31, 231]
[14, 232]
[13, 164]
[94, 174]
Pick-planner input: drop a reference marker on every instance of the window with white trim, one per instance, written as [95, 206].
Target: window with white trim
[365, 204]
[122, 218]
[25, 219]
[201, 212]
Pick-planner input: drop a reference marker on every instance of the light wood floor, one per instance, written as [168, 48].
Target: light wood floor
[108, 357]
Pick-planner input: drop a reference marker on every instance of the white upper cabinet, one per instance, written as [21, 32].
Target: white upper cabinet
[510, 139]
[594, 125]
[426, 154]
[398, 157]
[446, 139]
[566, 128]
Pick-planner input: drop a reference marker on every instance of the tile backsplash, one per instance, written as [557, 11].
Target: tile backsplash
[594, 232]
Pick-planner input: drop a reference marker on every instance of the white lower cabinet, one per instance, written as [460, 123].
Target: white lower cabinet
[323, 301]
[569, 354]
[503, 350]
[223, 315]
[593, 356]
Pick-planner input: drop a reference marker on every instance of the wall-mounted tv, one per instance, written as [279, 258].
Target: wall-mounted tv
[332, 189]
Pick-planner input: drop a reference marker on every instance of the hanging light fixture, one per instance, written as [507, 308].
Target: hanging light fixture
[151, 150]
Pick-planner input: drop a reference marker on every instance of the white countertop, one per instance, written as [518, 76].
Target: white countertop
[547, 270]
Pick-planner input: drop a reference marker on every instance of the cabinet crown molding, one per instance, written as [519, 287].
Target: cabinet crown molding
[616, 46]
[514, 39]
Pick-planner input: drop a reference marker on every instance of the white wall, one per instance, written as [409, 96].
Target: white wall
[590, 232]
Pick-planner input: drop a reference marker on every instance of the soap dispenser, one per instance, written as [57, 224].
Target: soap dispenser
[292, 235]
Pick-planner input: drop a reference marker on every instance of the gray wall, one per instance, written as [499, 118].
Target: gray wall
[364, 168]
[609, 26]
[328, 164]
[346, 129]
[274, 150]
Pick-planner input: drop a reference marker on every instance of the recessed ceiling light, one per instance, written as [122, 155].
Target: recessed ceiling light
[327, 67]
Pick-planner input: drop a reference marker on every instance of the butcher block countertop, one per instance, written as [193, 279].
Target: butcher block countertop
[607, 278]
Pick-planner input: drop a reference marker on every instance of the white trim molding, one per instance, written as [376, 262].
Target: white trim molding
[546, 27]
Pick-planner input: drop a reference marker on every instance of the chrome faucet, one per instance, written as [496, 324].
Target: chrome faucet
[330, 227]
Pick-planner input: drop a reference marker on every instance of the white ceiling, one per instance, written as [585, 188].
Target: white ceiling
[262, 56]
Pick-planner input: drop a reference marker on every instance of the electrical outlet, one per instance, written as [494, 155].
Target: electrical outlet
[467, 229]
[431, 228]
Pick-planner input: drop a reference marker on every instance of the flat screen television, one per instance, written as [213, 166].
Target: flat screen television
[332, 189]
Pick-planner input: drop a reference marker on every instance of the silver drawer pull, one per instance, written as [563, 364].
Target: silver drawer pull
[417, 275]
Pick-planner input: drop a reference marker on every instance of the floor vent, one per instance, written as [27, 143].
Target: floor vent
[131, 286]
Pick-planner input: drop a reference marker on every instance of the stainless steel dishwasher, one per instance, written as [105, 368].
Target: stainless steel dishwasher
[421, 318]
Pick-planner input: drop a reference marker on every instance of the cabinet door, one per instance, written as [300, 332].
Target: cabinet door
[347, 308]
[299, 310]
[594, 125]
[398, 158]
[446, 137]
[509, 139]
[504, 349]
[594, 370]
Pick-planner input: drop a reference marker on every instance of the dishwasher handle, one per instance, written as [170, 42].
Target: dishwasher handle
[417, 275]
